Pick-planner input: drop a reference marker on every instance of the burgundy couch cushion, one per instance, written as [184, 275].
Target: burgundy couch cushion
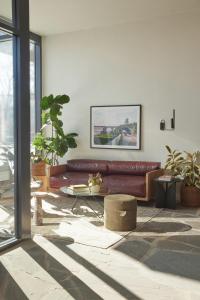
[126, 184]
[132, 167]
[87, 165]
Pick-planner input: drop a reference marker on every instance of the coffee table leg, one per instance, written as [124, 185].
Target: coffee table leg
[74, 203]
[86, 201]
[38, 213]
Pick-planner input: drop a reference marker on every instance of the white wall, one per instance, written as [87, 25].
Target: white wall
[154, 63]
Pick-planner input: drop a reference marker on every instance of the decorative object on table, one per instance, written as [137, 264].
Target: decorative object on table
[166, 178]
[187, 167]
[120, 212]
[115, 127]
[94, 183]
[50, 147]
[79, 188]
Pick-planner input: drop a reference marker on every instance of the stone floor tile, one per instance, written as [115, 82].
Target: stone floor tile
[159, 260]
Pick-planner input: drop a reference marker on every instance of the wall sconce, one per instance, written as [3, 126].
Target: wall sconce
[163, 125]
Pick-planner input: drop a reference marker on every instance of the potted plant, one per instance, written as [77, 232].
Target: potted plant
[94, 183]
[51, 142]
[187, 167]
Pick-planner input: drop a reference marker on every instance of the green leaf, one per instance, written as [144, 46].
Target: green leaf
[168, 149]
[73, 134]
[46, 102]
[55, 109]
[45, 117]
[62, 99]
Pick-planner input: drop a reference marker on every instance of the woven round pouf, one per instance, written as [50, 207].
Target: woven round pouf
[120, 212]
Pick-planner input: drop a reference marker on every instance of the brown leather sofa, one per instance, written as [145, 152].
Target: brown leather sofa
[122, 177]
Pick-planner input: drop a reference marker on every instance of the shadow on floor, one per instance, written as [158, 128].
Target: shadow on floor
[8, 287]
[177, 255]
[71, 283]
[84, 207]
[123, 291]
[78, 289]
[162, 227]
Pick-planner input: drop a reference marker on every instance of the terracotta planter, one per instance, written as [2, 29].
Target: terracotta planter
[38, 169]
[190, 196]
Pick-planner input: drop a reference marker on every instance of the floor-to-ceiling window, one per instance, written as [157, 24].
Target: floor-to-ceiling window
[14, 121]
[7, 206]
[32, 89]
[7, 149]
[35, 83]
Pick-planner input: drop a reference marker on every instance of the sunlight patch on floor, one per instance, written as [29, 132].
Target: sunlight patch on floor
[33, 280]
[3, 214]
[88, 277]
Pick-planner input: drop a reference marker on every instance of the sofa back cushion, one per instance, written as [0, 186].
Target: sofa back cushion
[139, 168]
[87, 165]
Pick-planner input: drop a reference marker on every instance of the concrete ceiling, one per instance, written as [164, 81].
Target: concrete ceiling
[59, 16]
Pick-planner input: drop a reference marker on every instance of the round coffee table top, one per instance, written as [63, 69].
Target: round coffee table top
[69, 191]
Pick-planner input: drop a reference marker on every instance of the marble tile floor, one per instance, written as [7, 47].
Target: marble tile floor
[159, 260]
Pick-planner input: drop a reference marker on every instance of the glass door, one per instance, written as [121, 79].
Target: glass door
[15, 219]
[7, 148]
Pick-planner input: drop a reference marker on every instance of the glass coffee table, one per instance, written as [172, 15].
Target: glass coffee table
[83, 196]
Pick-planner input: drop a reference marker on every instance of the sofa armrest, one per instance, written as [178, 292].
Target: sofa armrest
[57, 170]
[150, 176]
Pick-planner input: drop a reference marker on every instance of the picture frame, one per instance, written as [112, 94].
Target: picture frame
[115, 127]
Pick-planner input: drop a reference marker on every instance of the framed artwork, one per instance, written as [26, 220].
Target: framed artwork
[115, 127]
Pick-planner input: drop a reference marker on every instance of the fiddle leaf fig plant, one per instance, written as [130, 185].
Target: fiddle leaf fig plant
[56, 144]
[186, 165]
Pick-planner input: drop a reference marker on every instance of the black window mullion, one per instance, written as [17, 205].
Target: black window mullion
[22, 115]
[38, 85]
[8, 27]
[19, 28]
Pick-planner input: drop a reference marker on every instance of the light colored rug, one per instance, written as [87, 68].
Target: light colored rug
[85, 225]
[83, 232]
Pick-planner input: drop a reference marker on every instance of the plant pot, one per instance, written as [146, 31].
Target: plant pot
[190, 196]
[38, 169]
[94, 189]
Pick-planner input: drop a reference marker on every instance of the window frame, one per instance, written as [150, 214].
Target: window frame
[38, 77]
[19, 28]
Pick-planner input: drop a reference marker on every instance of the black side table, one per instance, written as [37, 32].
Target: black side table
[166, 193]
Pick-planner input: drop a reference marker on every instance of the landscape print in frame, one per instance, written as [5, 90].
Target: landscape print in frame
[115, 127]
